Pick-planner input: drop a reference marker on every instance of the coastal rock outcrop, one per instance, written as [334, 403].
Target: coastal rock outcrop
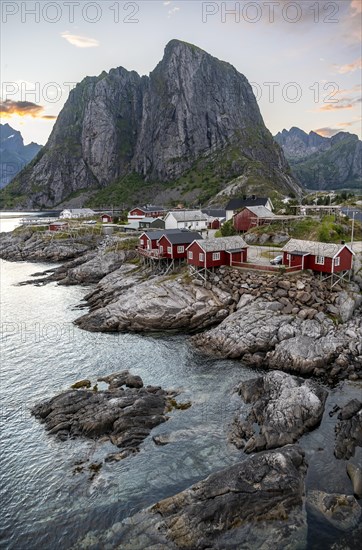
[348, 429]
[257, 503]
[283, 408]
[250, 329]
[36, 246]
[160, 304]
[341, 511]
[125, 413]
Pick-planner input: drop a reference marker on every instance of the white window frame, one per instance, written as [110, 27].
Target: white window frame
[180, 249]
[319, 260]
[215, 256]
[337, 261]
[149, 245]
[161, 249]
[169, 250]
[288, 257]
[191, 256]
[201, 257]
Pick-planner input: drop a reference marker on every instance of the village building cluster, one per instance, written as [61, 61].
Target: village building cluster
[171, 237]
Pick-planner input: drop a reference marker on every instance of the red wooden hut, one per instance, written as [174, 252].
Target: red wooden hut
[106, 218]
[58, 226]
[252, 216]
[174, 245]
[322, 257]
[149, 240]
[211, 253]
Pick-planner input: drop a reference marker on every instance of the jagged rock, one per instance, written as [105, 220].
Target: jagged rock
[257, 503]
[346, 304]
[36, 246]
[284, 407]
[311, 154]
[248, 330]
[126, 416]
[355, 474]
[342, 511]
[348, 429]
[191, 107]
[304, 354]
[161, 305]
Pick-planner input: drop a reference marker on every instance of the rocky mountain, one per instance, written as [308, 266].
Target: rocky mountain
[14, 155]
[183, 132]
[323, 163]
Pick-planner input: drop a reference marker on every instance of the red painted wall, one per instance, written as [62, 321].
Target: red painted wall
[345, 256]
[166, 244]
[346, 261]
[294, 261]
[196, 250]
[244, 220]
[54, 227]
[145, 239]
[136, 212]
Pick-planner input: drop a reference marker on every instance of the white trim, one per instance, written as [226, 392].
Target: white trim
[169, 250]
[344, 246]
[201, 257]
[180, 249]
[216, 256]
[321, 260]
[335, 261]
[190, 255]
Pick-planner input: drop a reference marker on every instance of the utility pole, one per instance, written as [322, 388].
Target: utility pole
[353, 214]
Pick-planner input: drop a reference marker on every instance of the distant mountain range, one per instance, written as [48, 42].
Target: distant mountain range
[14, 155]
[323, 163]
[185, 132]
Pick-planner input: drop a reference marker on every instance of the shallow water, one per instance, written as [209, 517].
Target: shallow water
[45, 504]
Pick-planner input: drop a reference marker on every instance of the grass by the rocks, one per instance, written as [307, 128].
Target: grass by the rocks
[327, 230]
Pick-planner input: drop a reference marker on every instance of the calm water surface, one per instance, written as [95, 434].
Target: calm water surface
[45, 503]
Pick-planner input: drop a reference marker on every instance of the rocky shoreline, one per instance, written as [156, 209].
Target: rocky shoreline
[292, 327]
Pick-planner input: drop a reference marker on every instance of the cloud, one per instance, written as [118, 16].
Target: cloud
[80, 41]
[344, 103]
[20, 108]
[356, 5]
[349, 67]
[167, 3]
[10, 108]
[327, 132]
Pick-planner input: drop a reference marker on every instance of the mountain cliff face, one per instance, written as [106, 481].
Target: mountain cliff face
[323, 163]
[14, 155]
[193, 123]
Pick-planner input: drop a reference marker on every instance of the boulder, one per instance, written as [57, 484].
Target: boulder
[284, 407]
[341, 511]
[250, 329]
[158, 305]
[126, 415]
[348, 430]
[257, 503]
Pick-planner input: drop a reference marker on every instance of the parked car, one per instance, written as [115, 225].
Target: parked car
[277, 260]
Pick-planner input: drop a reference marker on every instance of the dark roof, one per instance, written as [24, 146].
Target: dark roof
[235, 204]
[150, 208]
[185, 237]
[214, 212]
[155, 235]
[299, 253]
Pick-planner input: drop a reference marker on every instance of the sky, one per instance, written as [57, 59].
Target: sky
[303, 57]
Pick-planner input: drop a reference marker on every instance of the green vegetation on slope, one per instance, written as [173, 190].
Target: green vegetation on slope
[327, 230]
